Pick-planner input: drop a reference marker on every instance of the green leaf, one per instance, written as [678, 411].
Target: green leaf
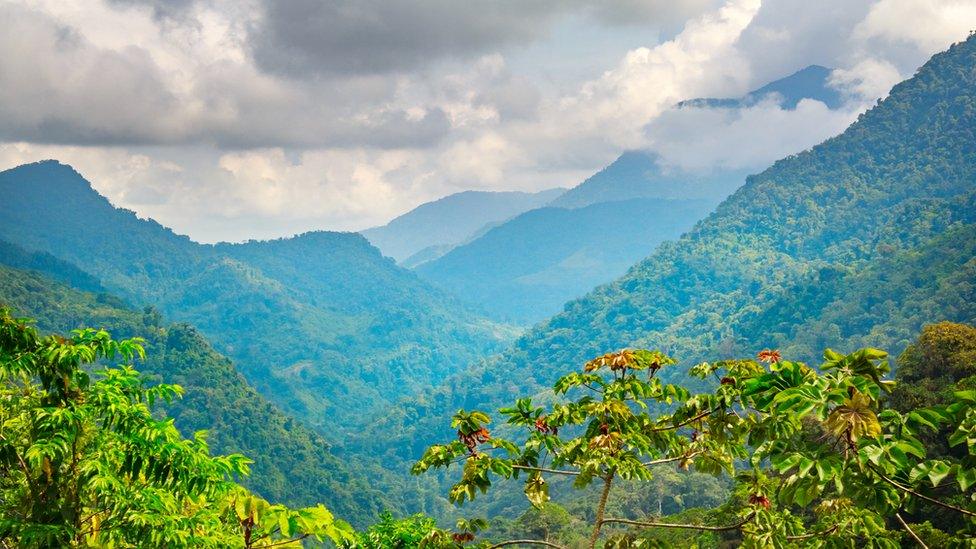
[536, 490]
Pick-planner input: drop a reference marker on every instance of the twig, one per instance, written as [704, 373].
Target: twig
[735, 526]
[813, 534]
[923, 496]
[526, 542]
[670, 460]
[911, 532]
[545, 470]
[683, 423]
[300, 538]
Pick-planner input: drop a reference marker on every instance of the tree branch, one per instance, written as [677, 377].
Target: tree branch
[911, 532]
[545, 470]
[300, 538]
[735, 526]
[683, 423]
[813, 534]
[526, 542]
[670, 460]
[922, 496]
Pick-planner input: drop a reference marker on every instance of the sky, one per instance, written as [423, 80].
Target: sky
[264, 118]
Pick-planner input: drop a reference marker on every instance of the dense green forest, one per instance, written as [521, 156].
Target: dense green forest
[295, 465]
[320, 323]
[824, 457]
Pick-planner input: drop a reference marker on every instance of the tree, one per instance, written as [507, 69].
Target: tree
[85, 463]
[822, 461]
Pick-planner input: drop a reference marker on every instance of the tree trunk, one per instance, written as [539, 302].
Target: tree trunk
[600, 509]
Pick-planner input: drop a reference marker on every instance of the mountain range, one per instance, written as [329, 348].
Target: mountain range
[354, 364]
[437, 226]
[856, 242]
[524, 269]
[321, 323]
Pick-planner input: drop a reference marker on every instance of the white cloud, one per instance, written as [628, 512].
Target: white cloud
[928, 25]
[752, 138]
[868, 79]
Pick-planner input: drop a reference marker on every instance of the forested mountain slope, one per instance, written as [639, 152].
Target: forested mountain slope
[321, 323]
[826, 241]
[452, 219]
[526, 269]
[292, 463]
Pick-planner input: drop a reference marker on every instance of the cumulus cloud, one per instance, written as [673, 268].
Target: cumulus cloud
[59, 87]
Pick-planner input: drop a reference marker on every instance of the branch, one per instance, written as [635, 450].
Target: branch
[300, 538]
[683, 423]
[911, 532]
[813, 534]
[922, 496]
[735, 526]
[545, 470]
[526, 542]
[670, 459]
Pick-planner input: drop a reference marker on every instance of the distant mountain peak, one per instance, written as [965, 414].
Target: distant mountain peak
[810, 82]
[49, 167]
[452, 219]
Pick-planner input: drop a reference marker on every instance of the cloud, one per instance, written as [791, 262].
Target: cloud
[57, 87]
[302, 37]
[934, 24]
[751, 138]
[868, 79]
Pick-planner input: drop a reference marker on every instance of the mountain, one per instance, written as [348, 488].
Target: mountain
[292, 464]
[812, 82]
[322, 324]
[858, 241]
[524, 270]
[450, 220]
[637, 174]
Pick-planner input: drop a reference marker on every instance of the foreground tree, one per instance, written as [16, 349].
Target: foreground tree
[84, 463]
[820, 460]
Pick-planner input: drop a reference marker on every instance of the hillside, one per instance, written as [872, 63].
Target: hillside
[863, 237]
[525, 269]
[292, 463]
[322, 324]
[452, 219]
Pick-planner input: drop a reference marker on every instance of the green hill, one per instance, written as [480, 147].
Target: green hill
[292, 463]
